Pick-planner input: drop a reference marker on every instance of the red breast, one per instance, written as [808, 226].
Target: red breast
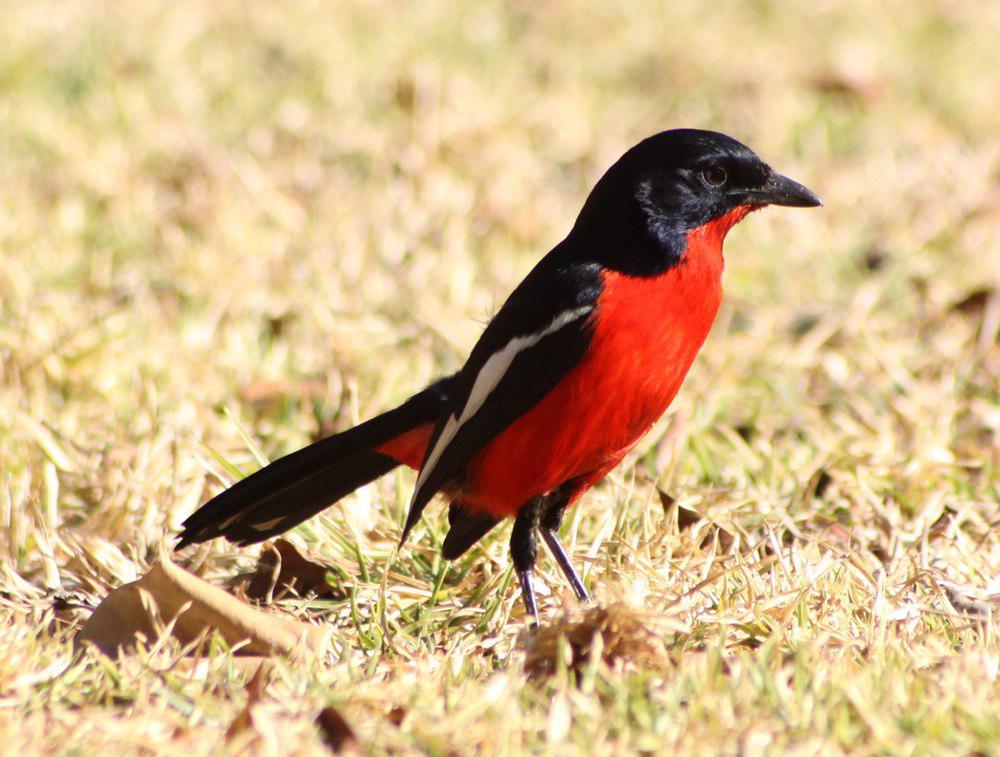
[646, 335]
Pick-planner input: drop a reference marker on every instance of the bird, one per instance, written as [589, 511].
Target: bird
[587, 352]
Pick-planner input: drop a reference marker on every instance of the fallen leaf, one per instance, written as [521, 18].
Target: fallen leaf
[168, 598]
[282, 568]
[337, 732]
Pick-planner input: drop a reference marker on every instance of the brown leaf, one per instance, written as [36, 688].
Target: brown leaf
[337, 732]
[170, 598]
[282, 568]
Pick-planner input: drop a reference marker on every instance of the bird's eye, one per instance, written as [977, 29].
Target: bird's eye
[715, 176]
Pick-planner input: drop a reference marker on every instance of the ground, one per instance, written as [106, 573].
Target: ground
[227, 229]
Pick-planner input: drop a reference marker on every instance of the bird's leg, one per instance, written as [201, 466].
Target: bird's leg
[524, 551]
[549, 526]
[562, 560]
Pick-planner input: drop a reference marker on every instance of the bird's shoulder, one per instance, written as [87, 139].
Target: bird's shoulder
[555, 294]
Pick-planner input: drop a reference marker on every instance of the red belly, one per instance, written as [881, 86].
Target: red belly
[647, 333]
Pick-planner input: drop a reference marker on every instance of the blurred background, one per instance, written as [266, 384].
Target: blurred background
[278, 218]
[326, 200]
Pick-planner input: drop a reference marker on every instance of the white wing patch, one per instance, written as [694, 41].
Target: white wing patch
[489, 376]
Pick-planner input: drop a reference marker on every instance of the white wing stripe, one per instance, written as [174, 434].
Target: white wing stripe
[489, 376]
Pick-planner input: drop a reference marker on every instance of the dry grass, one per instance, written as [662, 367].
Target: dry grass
[221, 224]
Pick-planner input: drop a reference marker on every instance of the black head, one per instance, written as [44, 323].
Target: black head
[676, 181]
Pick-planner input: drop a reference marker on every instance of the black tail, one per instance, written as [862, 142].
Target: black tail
[297, 486]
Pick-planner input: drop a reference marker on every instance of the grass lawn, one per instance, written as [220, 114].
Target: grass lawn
[226, 230]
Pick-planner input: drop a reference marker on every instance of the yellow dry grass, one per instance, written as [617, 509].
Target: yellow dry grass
[224, 227]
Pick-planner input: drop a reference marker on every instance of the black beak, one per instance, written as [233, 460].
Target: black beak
[780, 190]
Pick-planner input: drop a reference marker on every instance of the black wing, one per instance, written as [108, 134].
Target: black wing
[540, 333]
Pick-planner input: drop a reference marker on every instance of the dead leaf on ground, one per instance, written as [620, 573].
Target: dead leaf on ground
[336, 732]
[615, 633]
[282, 568]
[170, 599]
